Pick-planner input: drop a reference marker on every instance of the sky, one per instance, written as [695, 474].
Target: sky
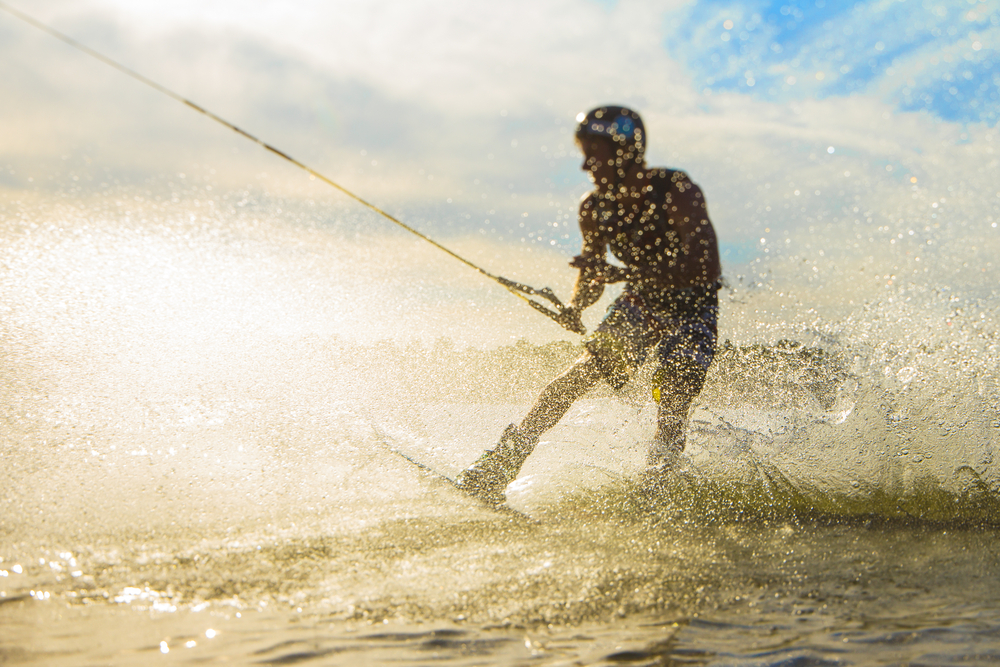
[938, 57]
[487, 90]
[457, 117]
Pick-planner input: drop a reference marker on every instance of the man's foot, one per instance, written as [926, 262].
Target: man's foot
[661, 460]
[665, 449]
[489, 476]
[664, 457]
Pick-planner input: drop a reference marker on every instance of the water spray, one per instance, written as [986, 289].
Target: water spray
[561, 315]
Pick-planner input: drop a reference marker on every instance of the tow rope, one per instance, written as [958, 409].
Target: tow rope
[561, 315]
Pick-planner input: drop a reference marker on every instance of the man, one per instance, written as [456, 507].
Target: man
[655, 222]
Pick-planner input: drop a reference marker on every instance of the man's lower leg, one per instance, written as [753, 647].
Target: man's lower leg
[671, 424]
[496, 468]
[668, 443]
[556, 399]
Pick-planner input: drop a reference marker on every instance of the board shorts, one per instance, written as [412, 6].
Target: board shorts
[679, 327]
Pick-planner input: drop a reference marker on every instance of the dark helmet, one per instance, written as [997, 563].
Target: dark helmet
[623, 126]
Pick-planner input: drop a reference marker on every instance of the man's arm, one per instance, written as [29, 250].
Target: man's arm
[590, 282]
[698, 260]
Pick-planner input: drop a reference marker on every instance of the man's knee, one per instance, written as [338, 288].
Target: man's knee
[583, 374]
[573, 382]
[678, 381]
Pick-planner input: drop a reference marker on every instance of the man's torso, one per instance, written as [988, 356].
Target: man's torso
[660, 231]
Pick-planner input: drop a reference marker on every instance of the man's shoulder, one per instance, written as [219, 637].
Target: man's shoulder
[670, 184]
[666, 176]
[588, 202]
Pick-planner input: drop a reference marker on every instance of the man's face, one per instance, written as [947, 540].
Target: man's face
[599, 157]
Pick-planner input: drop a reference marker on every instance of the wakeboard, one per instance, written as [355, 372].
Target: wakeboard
[430, 471]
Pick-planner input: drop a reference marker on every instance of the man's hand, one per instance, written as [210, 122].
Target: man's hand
[610, 273]
[570, 319]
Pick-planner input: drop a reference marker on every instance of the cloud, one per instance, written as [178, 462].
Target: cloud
[411, 104]
[466, 58]
[452, 115]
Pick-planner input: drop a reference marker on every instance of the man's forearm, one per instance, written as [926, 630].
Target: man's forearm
[588, 289]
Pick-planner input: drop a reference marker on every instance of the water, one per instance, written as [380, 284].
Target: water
[197, 398]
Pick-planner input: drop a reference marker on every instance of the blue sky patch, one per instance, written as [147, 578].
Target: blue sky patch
[942, 57]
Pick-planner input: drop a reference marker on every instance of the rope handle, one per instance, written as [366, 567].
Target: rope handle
[563, 315]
